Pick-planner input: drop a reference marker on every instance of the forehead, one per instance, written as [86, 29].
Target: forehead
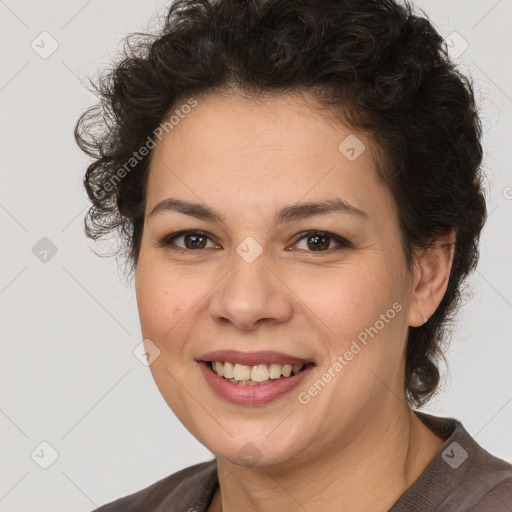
[230, 122]
[254, 150]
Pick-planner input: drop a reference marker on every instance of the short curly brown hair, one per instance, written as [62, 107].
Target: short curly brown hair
[376, 63]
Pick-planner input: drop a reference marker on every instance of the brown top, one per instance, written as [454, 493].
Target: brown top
[462, 477]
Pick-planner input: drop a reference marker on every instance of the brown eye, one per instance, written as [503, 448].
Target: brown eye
[195, 241]
[321, 241]
[187, 240]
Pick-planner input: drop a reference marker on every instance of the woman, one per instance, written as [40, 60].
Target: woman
[297, 186]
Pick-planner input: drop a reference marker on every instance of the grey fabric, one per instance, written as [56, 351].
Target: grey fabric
[188, 490]
[462, 477]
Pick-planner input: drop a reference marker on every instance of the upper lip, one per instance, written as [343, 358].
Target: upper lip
[252, 358]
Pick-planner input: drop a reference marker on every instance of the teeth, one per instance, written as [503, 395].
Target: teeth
[259, 373]
[296, 368]
[252, 375]
[219, 368]
[242, 372]
[287, 370]
[228, 369]
[274, 371]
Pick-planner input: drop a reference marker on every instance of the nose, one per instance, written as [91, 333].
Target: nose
[250, 295]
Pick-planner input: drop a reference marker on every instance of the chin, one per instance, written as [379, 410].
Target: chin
[256, 451]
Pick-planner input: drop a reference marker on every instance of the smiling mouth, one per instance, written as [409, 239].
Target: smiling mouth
[260, 374]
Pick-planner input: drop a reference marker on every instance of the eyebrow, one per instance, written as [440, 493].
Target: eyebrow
[294, 212]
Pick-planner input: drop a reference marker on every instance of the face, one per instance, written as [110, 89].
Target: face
[259, 271]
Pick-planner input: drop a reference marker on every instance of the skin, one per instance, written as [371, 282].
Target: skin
[356, 445]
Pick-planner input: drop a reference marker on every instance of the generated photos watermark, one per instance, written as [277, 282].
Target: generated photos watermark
[304, 397]
[137, 156]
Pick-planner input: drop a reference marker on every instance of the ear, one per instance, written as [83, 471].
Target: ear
[430, 278]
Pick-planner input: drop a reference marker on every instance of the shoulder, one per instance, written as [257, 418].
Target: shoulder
[188, 489]
[463, 476]
[497, 499]
[489, 483]
[480, 481]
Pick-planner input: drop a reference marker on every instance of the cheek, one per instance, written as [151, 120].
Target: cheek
[361, 316]
[349, 299]
[162, 302]
[171, 302]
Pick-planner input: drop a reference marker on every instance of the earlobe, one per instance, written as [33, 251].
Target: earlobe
[431, 275]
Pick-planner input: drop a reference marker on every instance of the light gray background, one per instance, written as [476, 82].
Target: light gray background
[69, 326]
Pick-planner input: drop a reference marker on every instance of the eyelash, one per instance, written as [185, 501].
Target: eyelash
[166, 241]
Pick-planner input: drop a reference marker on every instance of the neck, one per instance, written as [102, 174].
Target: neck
[370, 473]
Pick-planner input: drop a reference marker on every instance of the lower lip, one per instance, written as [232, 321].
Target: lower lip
[251, 395]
